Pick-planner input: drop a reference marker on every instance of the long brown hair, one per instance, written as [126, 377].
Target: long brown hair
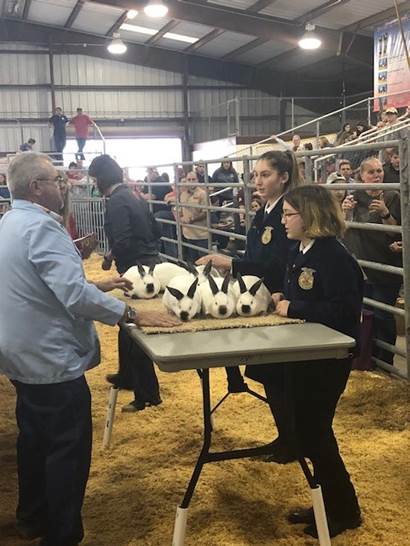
[284, 162]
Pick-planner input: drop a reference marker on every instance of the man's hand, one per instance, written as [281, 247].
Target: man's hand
[397, 246]
[379, 206]
[276, 298]
[282, 308]
[156, 318]
[107, 261]
[218, 260]
[112, 284]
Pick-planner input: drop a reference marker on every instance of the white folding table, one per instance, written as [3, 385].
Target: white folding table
[220, 348]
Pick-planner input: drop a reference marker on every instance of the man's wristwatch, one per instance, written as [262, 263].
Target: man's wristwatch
[130, 315]
[386, 216]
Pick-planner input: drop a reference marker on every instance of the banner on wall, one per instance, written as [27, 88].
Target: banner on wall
[391, 71]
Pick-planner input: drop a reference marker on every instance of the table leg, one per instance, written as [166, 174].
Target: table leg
[182, 509]
[109, 420]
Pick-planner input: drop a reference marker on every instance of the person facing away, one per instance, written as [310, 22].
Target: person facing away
[47, 342]
[225, 174]
[59, 121]
[323, 284]
[81, 122]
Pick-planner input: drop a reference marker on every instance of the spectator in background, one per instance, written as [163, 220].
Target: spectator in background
[4, 190]
[302, 170]
[81, 122]
[308, 146]
[378, 207]
[200, 172]
[345, 169]
[27, 146]
[324, 143]
[361, 127]
[58, 121]
[193, 233]
[3, 179]
[392, 166]
[344, 135]
[296, 144]
[391, 115]
[336, 178]
[225, 174]
[158, 191]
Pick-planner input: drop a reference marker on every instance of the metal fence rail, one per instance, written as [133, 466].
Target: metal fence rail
[89, 214]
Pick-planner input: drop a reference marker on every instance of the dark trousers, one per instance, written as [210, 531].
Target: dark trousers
[384, 323]
[59, 143]
[81, 143]
[191, 254]
[307, 403]
[53, 457]
[136, 369]
[169, 231]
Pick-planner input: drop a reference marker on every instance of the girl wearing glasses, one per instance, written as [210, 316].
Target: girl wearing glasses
[376, 207]
[323, 284]
[267, 247]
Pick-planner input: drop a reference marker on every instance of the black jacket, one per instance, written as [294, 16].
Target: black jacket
[266, 260]
[131, 230]
[330, 292]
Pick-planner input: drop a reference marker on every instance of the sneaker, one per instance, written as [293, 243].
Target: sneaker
[133, 407]
[154, 401]
[303, 515]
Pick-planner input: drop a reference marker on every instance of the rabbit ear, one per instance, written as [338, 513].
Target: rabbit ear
[141, 270]
[175, 292]
[192, 289]
[255, 287]
[242, 285]
[151, 269]
[207, 268]
[213, 285]
[189, 267]
[225, 284]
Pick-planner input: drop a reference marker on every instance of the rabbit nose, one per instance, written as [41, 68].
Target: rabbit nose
[150, 288]
[246, 309]
[184, 315]
[223, 310]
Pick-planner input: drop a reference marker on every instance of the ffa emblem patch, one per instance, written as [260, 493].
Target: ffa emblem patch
[306, 278]
[267, 235]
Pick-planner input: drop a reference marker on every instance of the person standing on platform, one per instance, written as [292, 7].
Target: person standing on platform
[58, 121]
[133, 236]
[81, 122]
[47, 343]
[27, 146]
[323, 284]
[267, 247]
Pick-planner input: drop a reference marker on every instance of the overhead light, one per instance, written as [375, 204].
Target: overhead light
[138, 29]
[156, 8]
[132, 13]
[310, 40]
[117, 46]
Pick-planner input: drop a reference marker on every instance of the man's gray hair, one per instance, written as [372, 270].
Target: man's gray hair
[23, 169]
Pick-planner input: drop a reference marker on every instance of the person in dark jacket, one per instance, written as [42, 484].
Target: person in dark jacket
[225, 174]
[323, 284]
[133, 237]
[267, 245]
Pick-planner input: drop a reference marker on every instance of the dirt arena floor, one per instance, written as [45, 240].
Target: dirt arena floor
[134, 487]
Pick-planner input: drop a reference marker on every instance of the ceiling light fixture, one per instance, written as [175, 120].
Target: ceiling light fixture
[156, 8]
[116, 46]
[132, 13]
[310, 40]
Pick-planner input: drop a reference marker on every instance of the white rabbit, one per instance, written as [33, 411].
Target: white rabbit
[253, 298]
[182, 298]
[144, 284]
[218, 297]
[166, 271]
[200, 271]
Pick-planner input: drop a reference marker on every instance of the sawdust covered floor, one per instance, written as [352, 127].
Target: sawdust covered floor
[135, 487]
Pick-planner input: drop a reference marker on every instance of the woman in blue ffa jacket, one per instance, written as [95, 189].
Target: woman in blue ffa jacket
[323, 284]
[267, 247]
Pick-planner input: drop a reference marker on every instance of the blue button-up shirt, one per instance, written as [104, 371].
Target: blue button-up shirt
[47, 307]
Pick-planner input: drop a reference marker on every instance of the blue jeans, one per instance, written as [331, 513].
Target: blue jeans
[81, 143]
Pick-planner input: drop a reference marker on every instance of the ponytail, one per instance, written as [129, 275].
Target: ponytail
[284, 162]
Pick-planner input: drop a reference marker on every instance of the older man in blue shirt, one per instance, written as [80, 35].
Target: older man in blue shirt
[47, 342]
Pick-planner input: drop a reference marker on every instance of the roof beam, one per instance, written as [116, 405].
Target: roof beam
[320, 10]
[26, 9]
[74, 14]
[204, 40]
[377, 18]
[243, 49]
[166, 28]
[116, 26]
[259, 5]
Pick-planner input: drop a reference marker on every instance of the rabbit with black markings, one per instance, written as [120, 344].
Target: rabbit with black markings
[182, 297]
[218, 297]
[253, 298]
[166, 271]
[200, 271]
[144, 284]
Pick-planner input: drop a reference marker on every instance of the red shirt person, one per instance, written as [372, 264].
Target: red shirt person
[81, 122]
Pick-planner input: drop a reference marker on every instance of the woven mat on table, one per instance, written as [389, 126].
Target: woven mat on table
[201, 324]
